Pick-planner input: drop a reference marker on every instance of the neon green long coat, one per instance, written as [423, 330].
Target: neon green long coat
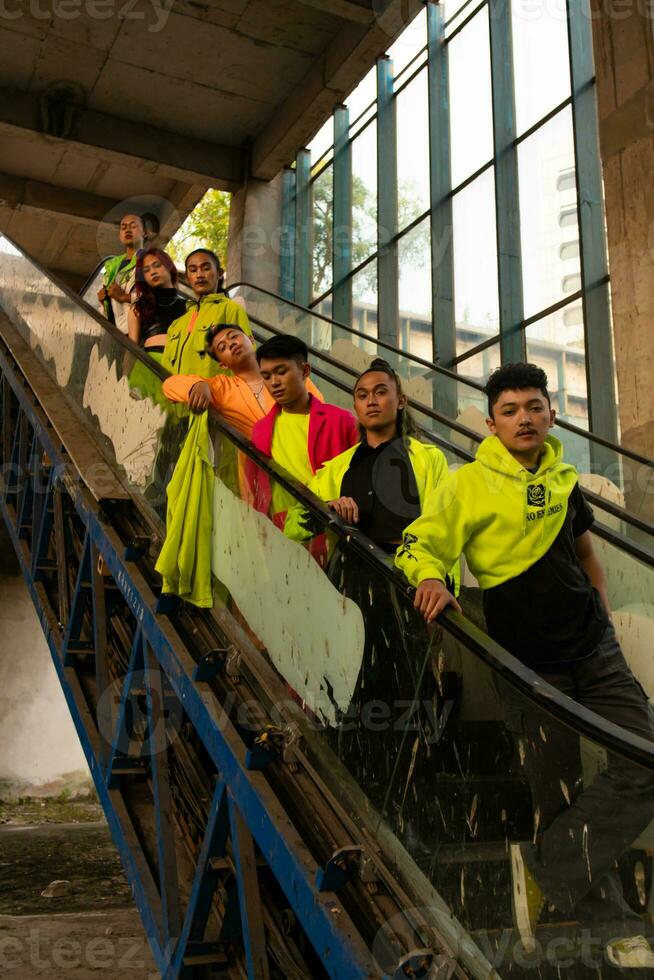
[185, 559]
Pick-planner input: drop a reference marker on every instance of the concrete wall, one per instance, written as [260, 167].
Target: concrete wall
[40, 754]
[253, 252]
[624, 59]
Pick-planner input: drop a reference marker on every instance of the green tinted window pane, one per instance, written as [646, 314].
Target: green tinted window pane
[363, 95]
[412, 39]
[364, 305]
[323, 224]
[540, 58]
[364, 194]
[413, 150]
[548, 215]
[476, 298]
[414, 251]
[471, 111]
[556, 343]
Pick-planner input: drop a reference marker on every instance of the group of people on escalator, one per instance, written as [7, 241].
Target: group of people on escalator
[516, 513]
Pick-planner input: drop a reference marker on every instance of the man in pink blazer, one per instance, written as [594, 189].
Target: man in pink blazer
[299, 432]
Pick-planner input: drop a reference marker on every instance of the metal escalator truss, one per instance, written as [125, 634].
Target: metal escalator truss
[400, 878]
[221, 874]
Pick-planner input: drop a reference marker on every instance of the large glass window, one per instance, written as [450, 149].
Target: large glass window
[364, 305]
[540, 210]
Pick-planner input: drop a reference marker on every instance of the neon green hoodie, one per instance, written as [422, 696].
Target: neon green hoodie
[186, 353]
[497, 513]
[111, 270]
[429, 466]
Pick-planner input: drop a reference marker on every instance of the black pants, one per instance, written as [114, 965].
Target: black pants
[384, 736]
[582, 830]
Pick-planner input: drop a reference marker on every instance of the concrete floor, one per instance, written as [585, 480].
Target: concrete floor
[94, 932]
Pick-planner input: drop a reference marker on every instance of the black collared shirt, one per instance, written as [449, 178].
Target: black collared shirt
[383, 484]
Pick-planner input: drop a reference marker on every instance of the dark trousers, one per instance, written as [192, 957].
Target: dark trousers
[582, 830]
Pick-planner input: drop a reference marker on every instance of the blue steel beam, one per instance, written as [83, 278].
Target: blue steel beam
[342, 224]
[507, 202]
[248, 894]
[388, 271]
[205, 879]
[158, 731]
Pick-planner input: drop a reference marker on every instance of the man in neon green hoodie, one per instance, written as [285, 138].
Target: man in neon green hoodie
[186, 350]
[518, 515]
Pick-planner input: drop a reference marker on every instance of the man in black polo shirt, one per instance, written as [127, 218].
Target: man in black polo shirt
[520, 517]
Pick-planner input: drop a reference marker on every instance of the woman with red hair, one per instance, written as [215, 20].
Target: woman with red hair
[157, 301]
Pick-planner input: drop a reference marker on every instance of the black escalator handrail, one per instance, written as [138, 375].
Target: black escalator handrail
[614, 538]
[92, 276]
[109, 327]
[446, 372]
[546, 697]
[581, 720]
[430, 365]
[615, 510]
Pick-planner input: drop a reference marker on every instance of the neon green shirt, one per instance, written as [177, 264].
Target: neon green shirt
[290, 448]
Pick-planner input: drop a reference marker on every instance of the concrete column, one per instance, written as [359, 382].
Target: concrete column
[40, 754]
[624, 60]
[255, 225]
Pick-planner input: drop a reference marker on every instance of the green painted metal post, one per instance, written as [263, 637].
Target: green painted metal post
[287, 236]
[595, 298]
[303, 228]
[442, 260]
[342, 216]
[507, 203]
[388, 265]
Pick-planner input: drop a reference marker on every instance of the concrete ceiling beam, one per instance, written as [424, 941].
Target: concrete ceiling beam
[341, 67]
[127, 143]
[63, 203]
[345, 9]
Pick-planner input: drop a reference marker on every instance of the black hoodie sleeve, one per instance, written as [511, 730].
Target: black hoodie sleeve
[582, 514]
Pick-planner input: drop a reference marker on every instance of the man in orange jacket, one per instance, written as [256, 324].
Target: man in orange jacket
[242, 398]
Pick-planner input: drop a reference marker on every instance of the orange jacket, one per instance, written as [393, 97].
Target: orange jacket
[231, 396]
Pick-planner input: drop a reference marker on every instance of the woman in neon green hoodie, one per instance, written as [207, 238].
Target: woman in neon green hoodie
[518, 515]
[379, 485]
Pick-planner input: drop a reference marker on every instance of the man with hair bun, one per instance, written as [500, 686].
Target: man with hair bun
[381, 481]
[520, 518]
